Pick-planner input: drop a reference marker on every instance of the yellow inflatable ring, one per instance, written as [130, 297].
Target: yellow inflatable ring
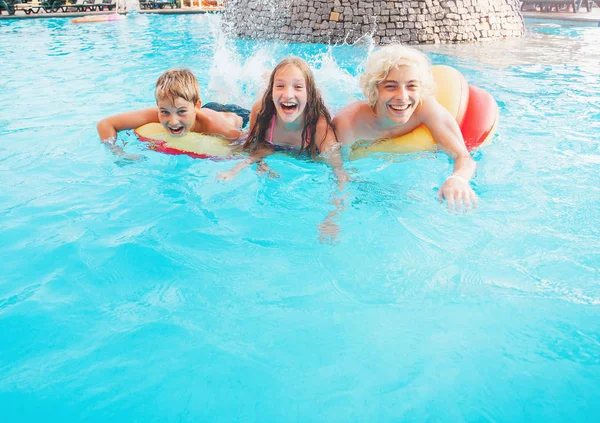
[195, 145]
[473, 108]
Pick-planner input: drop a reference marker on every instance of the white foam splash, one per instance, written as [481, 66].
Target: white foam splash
[242, 78]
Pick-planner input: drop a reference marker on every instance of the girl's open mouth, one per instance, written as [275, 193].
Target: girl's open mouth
[288, 107]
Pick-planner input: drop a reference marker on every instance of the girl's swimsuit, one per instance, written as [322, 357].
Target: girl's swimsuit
[281, 146]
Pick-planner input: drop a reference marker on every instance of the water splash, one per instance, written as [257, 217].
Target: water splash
[241, 76]
[235, 77]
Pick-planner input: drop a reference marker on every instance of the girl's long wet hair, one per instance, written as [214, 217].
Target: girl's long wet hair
[315, 108]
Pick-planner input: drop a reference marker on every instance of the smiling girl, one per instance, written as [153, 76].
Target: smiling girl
[291, 115]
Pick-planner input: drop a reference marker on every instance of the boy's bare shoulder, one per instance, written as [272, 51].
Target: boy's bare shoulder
[210, 121]
[207, 121]
[209, 118]
[350, 120]
[207, 113]
[430, 110]
[353, 111]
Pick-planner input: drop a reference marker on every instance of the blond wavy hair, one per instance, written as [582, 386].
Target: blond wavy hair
[380, 63]
[177, 83]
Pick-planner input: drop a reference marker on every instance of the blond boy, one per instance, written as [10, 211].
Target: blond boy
[398, 85]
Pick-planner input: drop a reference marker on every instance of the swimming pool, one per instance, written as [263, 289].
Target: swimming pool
[149, 292]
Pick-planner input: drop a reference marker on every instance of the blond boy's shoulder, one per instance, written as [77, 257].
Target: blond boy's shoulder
[430, 110]
[353, 111]
[350, 119]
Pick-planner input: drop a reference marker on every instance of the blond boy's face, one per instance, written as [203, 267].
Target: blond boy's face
[177, 117]
[399, 94]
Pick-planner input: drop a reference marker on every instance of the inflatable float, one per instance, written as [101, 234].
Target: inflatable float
[211, 5]
[195, 145]
[474, 109]
[112, 17]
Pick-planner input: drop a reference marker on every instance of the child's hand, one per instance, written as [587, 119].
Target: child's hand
[127, 159]
[262, 168]
[458, 194]
[329, 231]
[227, 175]
[132, 157]
[343, 177]
[123, 158]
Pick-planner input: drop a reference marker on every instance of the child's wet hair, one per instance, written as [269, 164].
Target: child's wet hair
[177, 83]
[380, 63]
[315, 108]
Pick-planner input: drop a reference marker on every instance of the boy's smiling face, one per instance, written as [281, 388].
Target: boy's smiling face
[177, 116]
[399, 94]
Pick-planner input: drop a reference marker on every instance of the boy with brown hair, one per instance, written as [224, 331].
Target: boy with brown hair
[178, 110]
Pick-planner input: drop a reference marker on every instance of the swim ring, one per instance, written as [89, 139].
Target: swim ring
[474, 109]
[195, 145]
[99, 18]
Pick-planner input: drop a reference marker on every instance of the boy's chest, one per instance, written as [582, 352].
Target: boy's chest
[371, 131]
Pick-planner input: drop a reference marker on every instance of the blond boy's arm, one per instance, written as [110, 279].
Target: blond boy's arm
[456, 190]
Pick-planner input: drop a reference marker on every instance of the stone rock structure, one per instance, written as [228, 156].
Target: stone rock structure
[406, 21]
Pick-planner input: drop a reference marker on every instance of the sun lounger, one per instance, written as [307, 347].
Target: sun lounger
[28, 8]
[548, 5]
[106, 5]
[165, 3]
[86, 5]
[7, 5]
[32, 7]
[157, 4]
[35, 6]
[49, 6]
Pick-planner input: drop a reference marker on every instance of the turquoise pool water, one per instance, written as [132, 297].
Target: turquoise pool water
[149, 292]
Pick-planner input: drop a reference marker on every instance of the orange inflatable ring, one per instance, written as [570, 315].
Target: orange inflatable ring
[112, 17]
[474, 109]
[199, 146]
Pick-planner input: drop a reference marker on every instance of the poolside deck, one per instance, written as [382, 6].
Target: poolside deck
[20, 14]
[181, 11]
[583, 17]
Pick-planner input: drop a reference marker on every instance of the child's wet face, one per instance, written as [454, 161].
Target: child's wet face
[399, 94]
[177, 117]
[289, 93]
